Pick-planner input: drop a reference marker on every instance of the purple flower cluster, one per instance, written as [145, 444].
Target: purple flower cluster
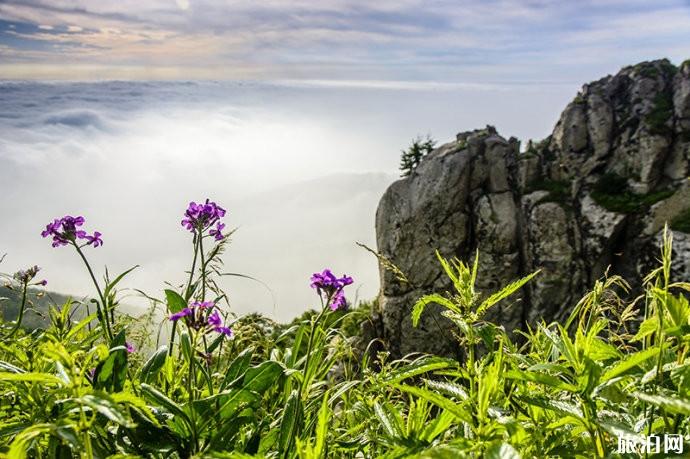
[24, 276]
[195, 317]
[66, 230]
[332, 287]
[200, 217]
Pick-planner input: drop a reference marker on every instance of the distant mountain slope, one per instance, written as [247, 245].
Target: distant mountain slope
[36, 315]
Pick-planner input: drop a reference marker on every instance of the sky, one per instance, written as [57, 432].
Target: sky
[291, 115]
[433, 41]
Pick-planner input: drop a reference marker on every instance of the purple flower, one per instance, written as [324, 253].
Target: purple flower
[130, 347]
[43, 283]
[217, 232]
[183, 313]
[24, 276]
[202, 315]
[65, 231]
[94, 240]
[223, 331]
[338, 301]
[214, 319]
[332, 287]
[200, 217]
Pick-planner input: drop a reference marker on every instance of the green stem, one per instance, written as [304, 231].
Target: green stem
[102, 315]
[310, 344]
[187, 295]
[203, 267]
[20, 316]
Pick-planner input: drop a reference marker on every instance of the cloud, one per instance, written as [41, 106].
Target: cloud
[300, 168]
[444, 40]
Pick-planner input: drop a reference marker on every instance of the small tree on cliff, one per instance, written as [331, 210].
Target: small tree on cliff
[411, 157]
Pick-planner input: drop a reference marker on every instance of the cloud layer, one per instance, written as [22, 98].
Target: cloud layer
[466, 41]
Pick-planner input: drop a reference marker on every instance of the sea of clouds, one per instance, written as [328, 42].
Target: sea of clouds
[299, 167]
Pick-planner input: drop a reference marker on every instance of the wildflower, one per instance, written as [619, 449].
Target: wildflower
[130, 347]
[183, 313]
[66, 230]
[332, 287]
[217, 233]
[42, 283]
[195, 317]
[200, 217]
[24, 276]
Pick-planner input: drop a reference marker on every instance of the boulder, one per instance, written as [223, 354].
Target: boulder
[594, 196]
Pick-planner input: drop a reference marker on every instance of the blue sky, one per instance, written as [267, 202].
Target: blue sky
[428, 42]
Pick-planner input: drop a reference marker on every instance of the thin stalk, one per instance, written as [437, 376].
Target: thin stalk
[18, 322]
[103, 315]
[203, 267]
[187, 294]
[311, 343]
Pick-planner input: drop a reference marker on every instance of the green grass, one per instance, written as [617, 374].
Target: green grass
[612, 193]
[302, 390]
[558, 190]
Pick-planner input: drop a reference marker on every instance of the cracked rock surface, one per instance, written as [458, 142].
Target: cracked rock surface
[593, 195]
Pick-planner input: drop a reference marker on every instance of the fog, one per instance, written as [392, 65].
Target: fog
[300, 169]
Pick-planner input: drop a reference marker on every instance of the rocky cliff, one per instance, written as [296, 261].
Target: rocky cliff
[594, 194]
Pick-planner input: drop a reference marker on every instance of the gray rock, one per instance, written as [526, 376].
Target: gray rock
[552, 208]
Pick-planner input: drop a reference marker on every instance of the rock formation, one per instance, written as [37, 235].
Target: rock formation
[594, 194]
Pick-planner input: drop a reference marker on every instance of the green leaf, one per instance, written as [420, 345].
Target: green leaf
[500, 450]
[262, 376]
[630, 362]
[105, 405]
[668, 403]
[157, 397]
[448, 389]
[558, 406]
[322, 427]
[5, 366]
[153, 365]
[647, 327]
[290, 424]
[419, 306]
[31, 377]
[503, 293]
[111, 285]
[238, 367]
[540, 378]
[437, 400]
[388, 421]
[418, 367]
[186, 345]
[111, 373]
[175, 302]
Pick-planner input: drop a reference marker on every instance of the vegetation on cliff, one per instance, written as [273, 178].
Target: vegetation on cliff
[223, 387]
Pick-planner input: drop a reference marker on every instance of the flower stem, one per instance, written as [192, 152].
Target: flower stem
[101, 309]
[20, 316]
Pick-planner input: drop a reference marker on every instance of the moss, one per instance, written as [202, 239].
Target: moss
[657, 119]
[682, 222]
[579, 99]
[612, 193]
[559, 191]
[649, 71]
